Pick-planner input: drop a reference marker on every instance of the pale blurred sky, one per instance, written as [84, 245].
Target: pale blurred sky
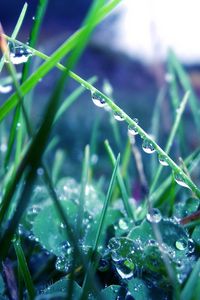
[147, 28]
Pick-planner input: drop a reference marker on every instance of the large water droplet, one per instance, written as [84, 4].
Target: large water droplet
[180, 180]
[181, 244]
[125, 269]
[154, 215]
[98, 100]
[163, 161]
[132, 130]
[119, 116]
[4, 89]
[148, 147]
[19, 54]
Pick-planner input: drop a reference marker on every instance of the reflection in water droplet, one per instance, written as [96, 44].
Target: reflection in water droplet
[125, 269]
[132, 130]
[180, 180]
[4, 89]
[19, 54]
[119, 116]
[98, 100]
[163, 161]
[181, 244]
[148, 147]
[154, 215]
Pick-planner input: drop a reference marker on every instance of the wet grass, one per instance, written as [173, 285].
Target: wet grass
[94, 239]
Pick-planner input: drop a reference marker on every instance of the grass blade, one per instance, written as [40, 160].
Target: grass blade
[189, 288]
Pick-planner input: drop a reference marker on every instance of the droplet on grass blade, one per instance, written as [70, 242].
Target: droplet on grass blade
[180, 180]
[132, 130]
[119, 116]
[148, 147]
[163, 161]
[19, 54]
[98, 100]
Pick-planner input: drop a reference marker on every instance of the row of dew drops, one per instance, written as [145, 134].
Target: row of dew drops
[147, 146]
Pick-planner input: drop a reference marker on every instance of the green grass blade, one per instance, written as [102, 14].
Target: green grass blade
[58, 163]
[193, 280]
[24, 270]
[84, 181]
[121, 184]
[171, 136]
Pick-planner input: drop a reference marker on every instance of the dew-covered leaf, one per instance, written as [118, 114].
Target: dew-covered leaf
[59, 290]
[196, 235]
[111, 292]
[185, 208]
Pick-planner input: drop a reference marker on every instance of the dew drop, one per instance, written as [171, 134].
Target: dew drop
[3, 147]
[148, 147]
[180, 180]
[154, 215]
[181, 244]
[123, 224]
[119, 116]
[19, 54]
[4, 89]
[132, 130]
[163, 161]
[125, 269]
[40, 171]
[98, 100]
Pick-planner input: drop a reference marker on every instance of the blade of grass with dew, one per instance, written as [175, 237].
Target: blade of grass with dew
[171, 136]
[53, 61]
[84, 181]
[194, 158]
[94, 262]
[141, 132]
[16, 30]
[24, 269]
[185, 82]
[191, 283]
[71, 99]
[122, 186]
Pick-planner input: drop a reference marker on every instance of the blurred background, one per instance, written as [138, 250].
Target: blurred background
[128, 51]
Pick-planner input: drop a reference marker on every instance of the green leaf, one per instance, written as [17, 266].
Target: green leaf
[196, 235]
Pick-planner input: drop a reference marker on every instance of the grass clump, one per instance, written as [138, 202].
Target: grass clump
[64, 239]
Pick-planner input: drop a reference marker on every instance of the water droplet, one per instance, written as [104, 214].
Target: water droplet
[19, 54]
[163, 161]
[18, 125]
[119, 116]
[98, 100]
[180, 180]
[103, 265]
[154, 215]
[148, 147]
[169, 77]
[181, 244]
[123, 224]
[4, 89]
[132, 130]
[40, 171]
[191, 246]
[33, 18]
[125, 269]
